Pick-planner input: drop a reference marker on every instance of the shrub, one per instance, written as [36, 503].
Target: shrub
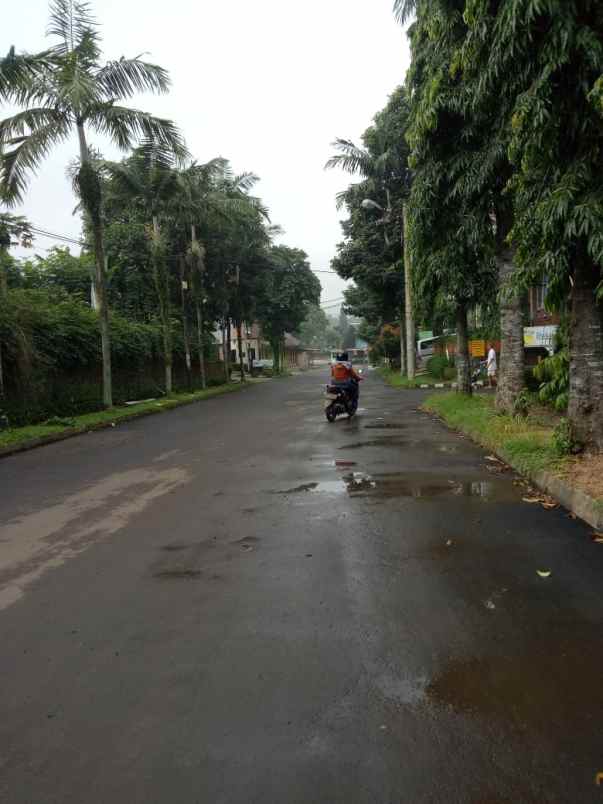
[562, 438]
[436, 366]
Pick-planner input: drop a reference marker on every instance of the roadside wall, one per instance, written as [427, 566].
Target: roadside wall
[43, 395]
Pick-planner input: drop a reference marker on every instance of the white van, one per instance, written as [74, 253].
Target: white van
[426, 348]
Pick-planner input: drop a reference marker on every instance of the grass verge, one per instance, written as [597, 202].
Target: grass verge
[524, 443]
[396, 380]
[33, 435]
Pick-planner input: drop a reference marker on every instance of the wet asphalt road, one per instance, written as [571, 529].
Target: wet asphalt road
[202, 607]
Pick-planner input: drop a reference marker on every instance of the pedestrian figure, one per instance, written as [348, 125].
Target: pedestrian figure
[491, 366]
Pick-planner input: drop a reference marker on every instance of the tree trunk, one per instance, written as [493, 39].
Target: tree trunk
[3, 294]
[410, 319]
[185, 330]
[199, 311]
[93, 208]
[402, 344]
[275, 345]
[162, 287]
[240, 350]
[100, 292]
[463, 364]
[229, 339]
[197, 286]
[226, 351]
[511, 376]
[585, 410]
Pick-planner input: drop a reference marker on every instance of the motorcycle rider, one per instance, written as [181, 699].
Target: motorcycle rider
[344, 376]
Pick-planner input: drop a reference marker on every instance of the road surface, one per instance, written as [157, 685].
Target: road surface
[238, 603]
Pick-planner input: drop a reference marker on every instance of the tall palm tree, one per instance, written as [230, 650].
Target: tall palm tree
[211, 190]
[67, 89]
[381, 168]
[149, 180]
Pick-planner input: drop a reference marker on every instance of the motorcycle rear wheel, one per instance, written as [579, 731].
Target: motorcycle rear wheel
[330, 413]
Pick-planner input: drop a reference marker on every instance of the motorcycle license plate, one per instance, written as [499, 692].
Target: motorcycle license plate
[331, 397]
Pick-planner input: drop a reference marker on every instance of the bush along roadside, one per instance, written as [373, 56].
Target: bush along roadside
[541, 452]
[18, 439]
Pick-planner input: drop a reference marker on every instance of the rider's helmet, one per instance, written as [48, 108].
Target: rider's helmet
[343, 357]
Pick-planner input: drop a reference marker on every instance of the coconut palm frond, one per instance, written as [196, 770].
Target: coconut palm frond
[125, 126]
[404, 9]
[341, 199]
[19, 74]
[26, 154]
[351, 158]
[28, 121]
[245, 182]
[70, 21]
[126, 77]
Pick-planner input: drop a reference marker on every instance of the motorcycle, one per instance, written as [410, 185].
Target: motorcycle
[339, 401]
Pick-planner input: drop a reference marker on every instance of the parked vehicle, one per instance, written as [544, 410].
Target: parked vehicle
[339, 401]
[262, 364]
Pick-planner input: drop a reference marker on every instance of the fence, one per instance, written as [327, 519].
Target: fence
[42, 395]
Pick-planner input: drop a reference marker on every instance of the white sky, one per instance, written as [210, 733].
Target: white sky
[267, 84]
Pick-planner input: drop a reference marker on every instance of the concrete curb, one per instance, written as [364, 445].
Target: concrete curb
[54, 438]
[578, 502]
[587, 508]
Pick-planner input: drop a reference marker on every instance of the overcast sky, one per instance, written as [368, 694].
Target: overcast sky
[267, 84]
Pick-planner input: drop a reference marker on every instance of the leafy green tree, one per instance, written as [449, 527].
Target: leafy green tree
[544, 64]
[148, 180]
[288, 288]
[66, 89]
[317, 332]
[453, 270]
[13, 228]
[382, 162]
[59, 269]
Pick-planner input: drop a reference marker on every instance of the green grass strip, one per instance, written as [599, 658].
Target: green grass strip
[396, 380]
[30, 436]
[523, 443]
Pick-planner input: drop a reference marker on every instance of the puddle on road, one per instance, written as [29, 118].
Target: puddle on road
[407, 485]
[383, 486]
[378, 442]
[385, 426]
[177, 573]
[549, 688]
[401, 441]
[298, 489]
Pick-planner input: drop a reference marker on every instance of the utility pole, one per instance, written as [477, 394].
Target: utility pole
[410, 321]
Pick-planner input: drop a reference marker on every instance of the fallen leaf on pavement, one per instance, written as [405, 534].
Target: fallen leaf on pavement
[532, 499]
[598, 538]
[493, 458]
[544, 573]
[550, 505]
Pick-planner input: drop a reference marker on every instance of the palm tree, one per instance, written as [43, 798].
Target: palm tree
[211, 190]
[381, 169]
[65, 89]
[149, 180]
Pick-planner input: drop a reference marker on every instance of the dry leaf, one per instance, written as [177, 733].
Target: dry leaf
[544, 573]
[532, 499]
[492, 458]
[550, 505]
[598, 538]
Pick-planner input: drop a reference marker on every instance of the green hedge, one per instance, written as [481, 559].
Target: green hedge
[52, 357]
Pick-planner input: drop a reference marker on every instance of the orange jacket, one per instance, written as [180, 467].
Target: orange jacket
[343, 372]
